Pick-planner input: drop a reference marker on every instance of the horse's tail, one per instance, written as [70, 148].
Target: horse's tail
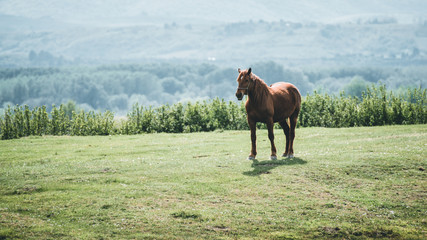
[297, 98]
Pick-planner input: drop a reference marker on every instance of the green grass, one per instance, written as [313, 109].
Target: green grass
[352, 183]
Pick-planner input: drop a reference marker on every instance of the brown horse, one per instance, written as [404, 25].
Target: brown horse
[271, 104]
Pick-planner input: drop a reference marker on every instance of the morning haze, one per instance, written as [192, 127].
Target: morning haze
[111, 54]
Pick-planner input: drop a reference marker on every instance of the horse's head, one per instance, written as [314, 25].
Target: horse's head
[244, 80]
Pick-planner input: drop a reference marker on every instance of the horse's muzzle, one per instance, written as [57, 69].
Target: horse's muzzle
[239, 96]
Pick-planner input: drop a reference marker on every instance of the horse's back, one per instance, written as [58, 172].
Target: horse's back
[285, 89]
[284, 85]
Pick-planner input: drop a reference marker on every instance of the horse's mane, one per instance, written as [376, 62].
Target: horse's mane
[259, 90]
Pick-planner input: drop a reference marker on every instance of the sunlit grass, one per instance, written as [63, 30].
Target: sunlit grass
[343, 183]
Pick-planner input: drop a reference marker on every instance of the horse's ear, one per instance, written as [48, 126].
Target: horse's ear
[249, 71]
[238, 70]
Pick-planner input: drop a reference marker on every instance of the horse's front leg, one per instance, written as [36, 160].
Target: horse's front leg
[270, 127]
[252, 126]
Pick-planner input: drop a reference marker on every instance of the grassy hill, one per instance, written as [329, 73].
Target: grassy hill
[344, 183]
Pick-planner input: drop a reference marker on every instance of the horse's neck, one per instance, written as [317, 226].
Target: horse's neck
[258, 92]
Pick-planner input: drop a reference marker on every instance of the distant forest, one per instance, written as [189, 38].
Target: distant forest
[119, 87]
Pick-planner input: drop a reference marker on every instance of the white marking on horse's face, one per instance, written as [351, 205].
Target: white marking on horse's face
[243, 84]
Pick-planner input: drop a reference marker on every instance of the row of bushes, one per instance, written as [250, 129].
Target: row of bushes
[376, 107]
[190, 117]
[20, 121]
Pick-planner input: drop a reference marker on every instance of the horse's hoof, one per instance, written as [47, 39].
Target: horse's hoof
[290, 156]
[273, 158]
[285, 155]
[251, 158]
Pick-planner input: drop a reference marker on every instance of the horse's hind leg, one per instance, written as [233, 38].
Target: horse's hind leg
[285, 127]
[293, 121]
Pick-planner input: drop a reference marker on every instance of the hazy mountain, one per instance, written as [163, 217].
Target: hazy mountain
[192, 11]
[236, 32]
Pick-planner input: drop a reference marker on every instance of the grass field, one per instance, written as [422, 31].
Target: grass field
[352, 183]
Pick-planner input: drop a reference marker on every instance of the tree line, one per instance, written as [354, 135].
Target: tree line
[376, 107]
[119, 87]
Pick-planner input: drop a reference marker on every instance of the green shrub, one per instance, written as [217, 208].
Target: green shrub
[376, 107]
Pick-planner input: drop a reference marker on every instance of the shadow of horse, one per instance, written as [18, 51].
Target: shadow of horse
[264, 167]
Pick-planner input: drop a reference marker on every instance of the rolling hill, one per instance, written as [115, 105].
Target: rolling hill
[237, 33]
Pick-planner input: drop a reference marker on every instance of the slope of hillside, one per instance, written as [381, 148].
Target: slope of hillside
[243, 43]
[237, 32]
